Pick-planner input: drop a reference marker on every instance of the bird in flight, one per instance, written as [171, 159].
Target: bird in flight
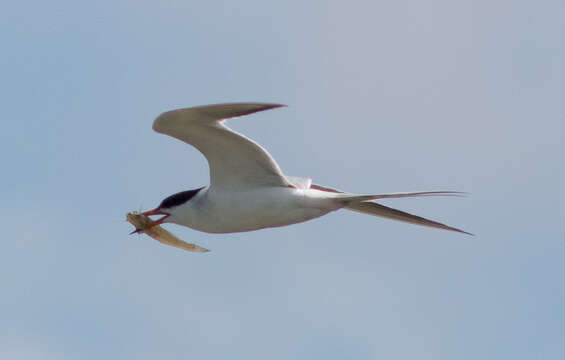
[248, 191]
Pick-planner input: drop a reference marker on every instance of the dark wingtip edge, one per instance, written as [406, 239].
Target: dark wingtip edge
[459, 231]
[263, 107]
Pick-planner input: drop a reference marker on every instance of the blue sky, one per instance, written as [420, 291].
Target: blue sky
[383, 97]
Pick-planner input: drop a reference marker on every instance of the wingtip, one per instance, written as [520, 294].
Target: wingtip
[459, 231]
[243, 109]
[466, 233]
[269, 106]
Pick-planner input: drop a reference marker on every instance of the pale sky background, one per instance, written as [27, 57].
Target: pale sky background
[383, 97]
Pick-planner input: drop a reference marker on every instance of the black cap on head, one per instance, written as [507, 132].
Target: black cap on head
[178, 198]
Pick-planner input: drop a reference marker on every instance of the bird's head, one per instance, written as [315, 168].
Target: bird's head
[170, 204]
[177, 199]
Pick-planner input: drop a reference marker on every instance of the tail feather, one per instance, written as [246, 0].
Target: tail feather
[372, 208]
[364, 205]
[349, 198]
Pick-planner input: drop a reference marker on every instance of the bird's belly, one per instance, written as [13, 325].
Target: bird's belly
[262, 218]
[247, 211]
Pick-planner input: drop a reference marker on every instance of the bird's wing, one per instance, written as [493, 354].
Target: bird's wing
[236, 162]
[299, 183]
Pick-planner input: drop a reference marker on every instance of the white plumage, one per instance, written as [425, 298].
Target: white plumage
[248, 190]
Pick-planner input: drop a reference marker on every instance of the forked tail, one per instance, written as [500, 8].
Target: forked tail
[364, 205]
[372, 208]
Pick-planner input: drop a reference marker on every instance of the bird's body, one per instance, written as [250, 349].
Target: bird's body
[248, 190]
[217, 211]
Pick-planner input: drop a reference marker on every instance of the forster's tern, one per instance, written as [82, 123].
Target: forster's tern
[248, 190]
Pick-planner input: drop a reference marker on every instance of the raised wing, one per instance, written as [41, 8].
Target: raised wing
[236, 162]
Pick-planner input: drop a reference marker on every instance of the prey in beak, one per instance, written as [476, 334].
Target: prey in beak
[152, 223]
